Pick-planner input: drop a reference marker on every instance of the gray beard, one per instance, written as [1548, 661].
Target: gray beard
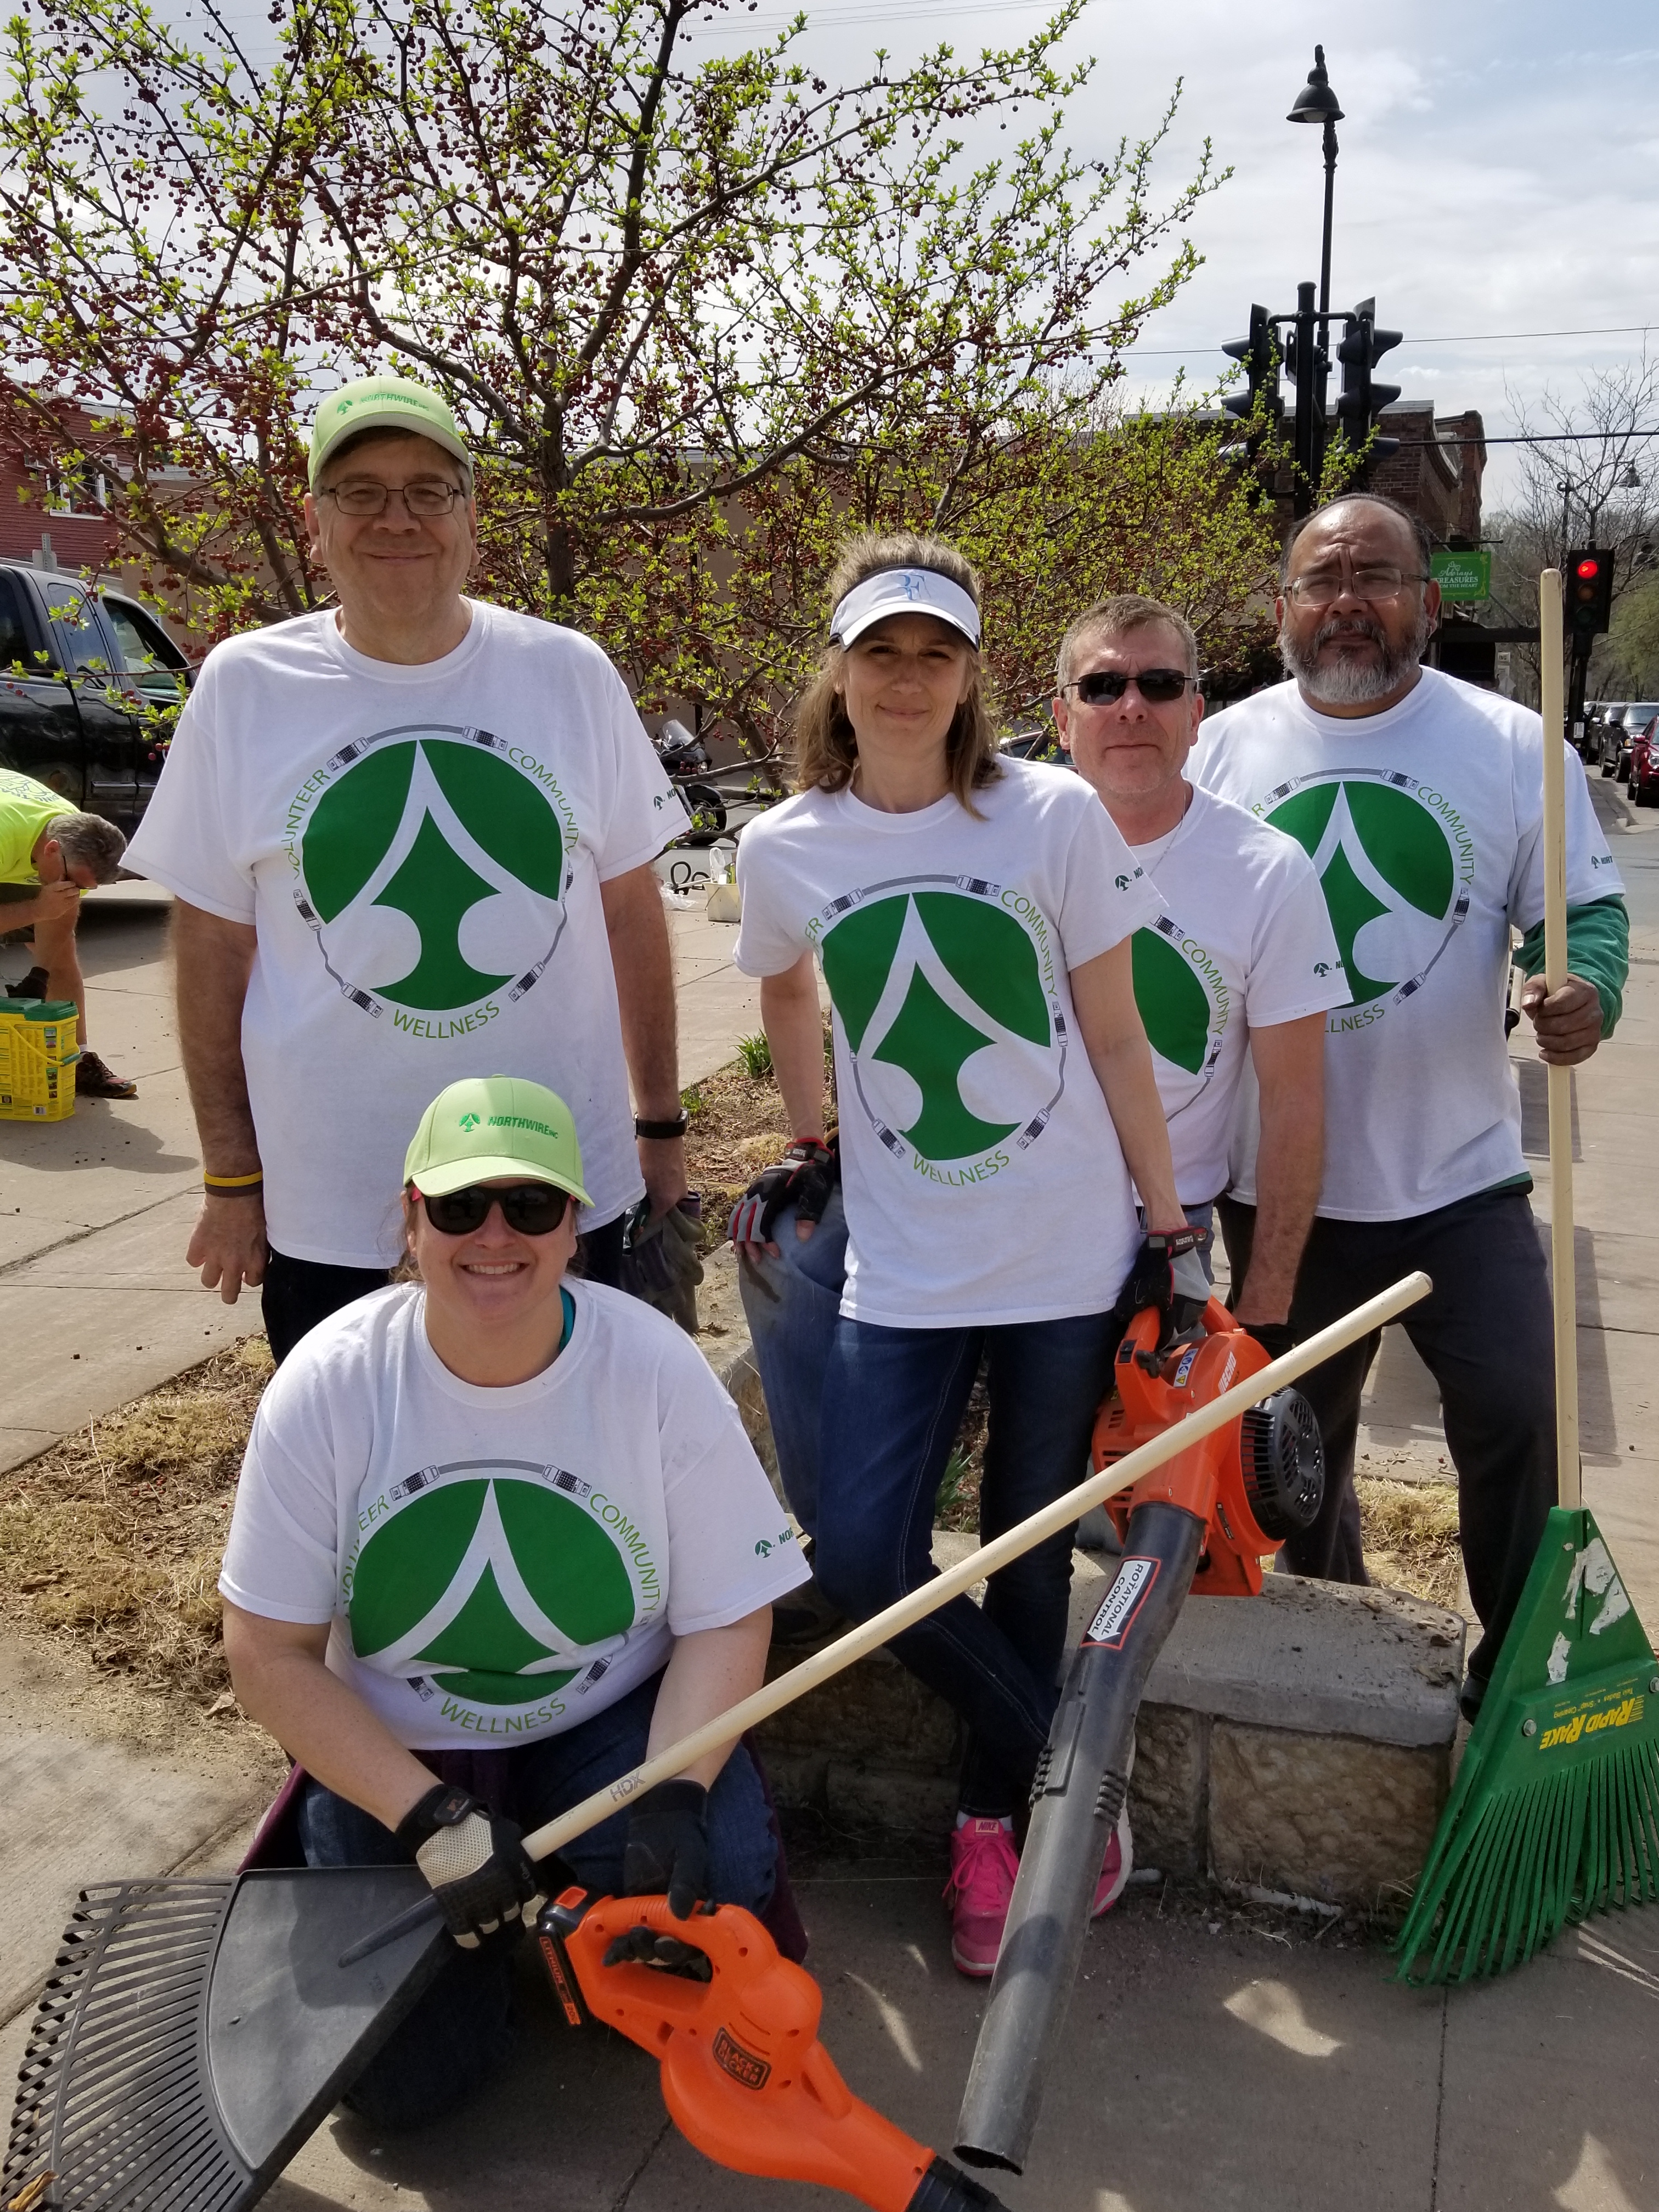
[1346, 682]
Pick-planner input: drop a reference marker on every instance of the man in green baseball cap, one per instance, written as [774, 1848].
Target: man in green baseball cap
[410, 836]
[383, 403]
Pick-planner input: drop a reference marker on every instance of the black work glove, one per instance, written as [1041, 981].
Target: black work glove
[1168, 1274]
[475, 1860]
[1276, 1338]
[803, 1178]
[667, 1848]
[643, 1946]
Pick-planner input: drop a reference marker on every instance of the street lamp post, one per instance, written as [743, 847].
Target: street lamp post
[1317, 103]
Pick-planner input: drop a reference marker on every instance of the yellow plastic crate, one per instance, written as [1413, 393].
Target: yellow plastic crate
[38, 1048]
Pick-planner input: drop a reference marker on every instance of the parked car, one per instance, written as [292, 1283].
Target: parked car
[90, 687]
[1610, 733]
[1643, 775]
[1596, 723]
[1638, 715]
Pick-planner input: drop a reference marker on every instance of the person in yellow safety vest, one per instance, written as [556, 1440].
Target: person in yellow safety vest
[49, 855]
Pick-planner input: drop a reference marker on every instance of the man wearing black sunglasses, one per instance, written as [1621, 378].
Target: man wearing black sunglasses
[1235, 976]
[1419, 800]
[411, 839]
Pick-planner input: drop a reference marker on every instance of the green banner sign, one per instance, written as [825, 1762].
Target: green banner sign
[1462, 575]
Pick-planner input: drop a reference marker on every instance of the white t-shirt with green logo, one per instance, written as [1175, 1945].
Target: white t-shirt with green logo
[982, 1176]
[1246, 943]
[1425, 825]
[421, 851]
[500, 1564]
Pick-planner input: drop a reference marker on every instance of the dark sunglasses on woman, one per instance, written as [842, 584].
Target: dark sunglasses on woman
[1102, 686]
[534, 1209]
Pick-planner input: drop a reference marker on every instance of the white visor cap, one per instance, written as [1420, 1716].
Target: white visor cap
[904, 592]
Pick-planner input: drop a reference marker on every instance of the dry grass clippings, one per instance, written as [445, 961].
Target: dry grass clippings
[114, 1537]
[1410, 1531]
[737, 1127]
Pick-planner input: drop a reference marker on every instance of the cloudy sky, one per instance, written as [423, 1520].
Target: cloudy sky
[1457, 200]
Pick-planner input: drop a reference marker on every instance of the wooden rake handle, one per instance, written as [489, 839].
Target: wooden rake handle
[1569, 1477]
[882, 1627]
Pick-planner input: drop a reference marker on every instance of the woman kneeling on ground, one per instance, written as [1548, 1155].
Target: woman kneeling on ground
[507, 1530]
[972, 915]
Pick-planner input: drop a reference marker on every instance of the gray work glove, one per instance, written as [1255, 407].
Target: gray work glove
[1168, 1274]
[660, 1263]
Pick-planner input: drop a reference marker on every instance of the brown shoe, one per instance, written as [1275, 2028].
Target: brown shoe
[93, 1079]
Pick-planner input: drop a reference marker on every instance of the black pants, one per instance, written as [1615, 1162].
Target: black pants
[299, 1293]
[1484, 1333]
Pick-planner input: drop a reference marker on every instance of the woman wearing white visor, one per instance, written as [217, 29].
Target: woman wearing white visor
[972, 915]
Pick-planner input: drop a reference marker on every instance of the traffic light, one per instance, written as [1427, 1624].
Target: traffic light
[1589, 594]
[1260, 355]
[1361, 399]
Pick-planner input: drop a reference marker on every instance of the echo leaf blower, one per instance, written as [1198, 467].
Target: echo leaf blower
[744, 2076]
[1203, 1521]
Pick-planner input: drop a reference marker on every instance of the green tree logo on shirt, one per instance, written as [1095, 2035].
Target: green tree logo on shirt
[944, 996]
[1181, 996]
[433, 827]
[498, 1588]
[1394, 861]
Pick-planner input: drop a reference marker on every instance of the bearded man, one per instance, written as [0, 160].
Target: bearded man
[1420, 801]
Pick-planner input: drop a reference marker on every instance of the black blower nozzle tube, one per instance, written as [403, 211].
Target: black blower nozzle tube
[943, 2189]
[1080, 1786]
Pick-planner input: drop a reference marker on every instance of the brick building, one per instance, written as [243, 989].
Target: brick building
[56, 517]
[1437, 470]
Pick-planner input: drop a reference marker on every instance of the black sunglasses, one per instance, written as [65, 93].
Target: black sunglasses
[534, 1209]
[1104, 685]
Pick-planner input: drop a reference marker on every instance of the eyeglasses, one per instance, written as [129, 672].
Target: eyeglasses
[363, 495]
[1323, 586]
[534, 1209]
[1102, 685]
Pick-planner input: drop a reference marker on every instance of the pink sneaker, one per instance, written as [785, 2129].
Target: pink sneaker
[983, 1865]
[1116, 1867]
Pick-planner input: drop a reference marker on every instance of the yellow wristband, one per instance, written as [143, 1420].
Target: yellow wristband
[232, 1183]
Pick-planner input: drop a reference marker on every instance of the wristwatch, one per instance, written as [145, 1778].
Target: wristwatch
[677, 1127]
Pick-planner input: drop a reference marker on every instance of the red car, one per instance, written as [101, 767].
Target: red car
[1644, 785]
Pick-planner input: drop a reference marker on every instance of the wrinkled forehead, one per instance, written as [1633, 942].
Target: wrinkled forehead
[1148, 645]
[1360, 530]
[390, 457]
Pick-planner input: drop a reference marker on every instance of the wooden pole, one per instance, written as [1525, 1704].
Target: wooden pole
[1569, 1473]
[725, 1728]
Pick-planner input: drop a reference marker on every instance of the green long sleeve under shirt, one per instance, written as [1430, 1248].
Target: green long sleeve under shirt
[1598, 949]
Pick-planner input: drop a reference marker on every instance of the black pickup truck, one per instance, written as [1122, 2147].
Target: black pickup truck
[90, 687]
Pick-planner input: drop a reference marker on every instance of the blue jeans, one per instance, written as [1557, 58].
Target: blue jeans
[791, 1305]
[893, 1400]
[461, 2030]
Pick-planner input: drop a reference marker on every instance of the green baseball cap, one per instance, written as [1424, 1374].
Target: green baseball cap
[491, 1126]
[385, 403]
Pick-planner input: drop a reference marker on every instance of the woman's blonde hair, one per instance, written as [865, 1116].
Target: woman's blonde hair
[825, 746]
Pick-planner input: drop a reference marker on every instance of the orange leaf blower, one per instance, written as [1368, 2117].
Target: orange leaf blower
[1201, 1522]
[743, 2074]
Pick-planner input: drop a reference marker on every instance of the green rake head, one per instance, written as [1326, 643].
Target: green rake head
[1555, 1811]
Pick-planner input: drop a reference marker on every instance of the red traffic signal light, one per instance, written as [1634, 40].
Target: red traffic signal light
[1589, 593]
